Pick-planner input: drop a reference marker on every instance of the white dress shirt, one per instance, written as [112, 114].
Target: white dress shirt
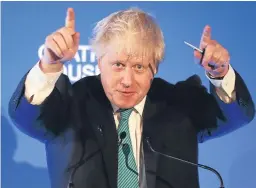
[40, 85]
[135, 127]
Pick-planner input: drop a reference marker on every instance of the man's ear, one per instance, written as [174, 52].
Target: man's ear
[153, 70]
[153, 75]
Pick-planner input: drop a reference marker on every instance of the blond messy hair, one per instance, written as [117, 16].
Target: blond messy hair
[132, 30]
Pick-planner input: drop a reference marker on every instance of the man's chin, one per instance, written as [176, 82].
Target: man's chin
[125, 104]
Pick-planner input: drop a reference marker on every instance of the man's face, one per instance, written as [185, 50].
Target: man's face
[125, 79]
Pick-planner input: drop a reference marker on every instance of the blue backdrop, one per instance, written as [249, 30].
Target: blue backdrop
[26, 24]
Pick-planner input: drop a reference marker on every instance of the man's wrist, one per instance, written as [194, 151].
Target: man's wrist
[50, 68]
[219, 77]
[215, 78]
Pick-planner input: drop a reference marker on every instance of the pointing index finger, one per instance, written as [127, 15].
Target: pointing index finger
[70, 19]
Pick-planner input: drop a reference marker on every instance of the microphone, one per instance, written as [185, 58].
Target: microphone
[121, 138]
[188, 162]
[71, 177]
[70, 182]
[126, 151]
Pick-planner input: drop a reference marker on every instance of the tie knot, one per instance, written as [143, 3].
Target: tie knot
[125, 113]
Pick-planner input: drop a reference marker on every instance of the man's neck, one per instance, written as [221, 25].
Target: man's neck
[138, 107]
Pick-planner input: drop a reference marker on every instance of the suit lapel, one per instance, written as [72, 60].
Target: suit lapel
[149, 132]
[103, 124]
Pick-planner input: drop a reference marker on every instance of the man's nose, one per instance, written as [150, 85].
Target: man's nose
[127, 78]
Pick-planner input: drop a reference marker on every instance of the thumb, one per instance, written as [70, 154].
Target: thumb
[206, 37]
[76, 38]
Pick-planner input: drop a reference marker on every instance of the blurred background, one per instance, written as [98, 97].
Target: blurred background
[26, 24]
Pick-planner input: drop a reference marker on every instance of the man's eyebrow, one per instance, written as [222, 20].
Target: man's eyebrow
[117, 60]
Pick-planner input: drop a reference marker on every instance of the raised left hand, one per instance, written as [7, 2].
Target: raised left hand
[215, 55]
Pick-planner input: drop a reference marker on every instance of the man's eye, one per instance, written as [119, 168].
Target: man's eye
[118, 65]
[139, 67]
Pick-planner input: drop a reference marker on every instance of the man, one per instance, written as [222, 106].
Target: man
[96, 130]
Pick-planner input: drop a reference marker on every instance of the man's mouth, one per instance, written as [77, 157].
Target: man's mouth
[127, 93]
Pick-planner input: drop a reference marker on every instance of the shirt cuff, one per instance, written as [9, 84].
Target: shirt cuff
[227, 84]
[40, 84]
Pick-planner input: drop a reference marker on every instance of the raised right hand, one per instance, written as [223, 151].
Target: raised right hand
[61, 46]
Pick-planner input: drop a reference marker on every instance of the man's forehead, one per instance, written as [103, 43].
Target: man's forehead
[124, 55]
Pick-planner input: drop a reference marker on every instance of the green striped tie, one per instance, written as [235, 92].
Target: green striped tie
[127, 169]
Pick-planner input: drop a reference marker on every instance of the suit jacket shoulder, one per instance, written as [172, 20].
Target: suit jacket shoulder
[189, 97]
[87, 87]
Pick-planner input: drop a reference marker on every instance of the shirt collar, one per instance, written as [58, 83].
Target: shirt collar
[139, 107]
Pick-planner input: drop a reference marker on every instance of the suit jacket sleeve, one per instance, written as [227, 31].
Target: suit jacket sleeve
[236, 114]
[47, 120]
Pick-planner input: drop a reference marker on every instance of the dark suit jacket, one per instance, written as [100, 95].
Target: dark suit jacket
[77, 126]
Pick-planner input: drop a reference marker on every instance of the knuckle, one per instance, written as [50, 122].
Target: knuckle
[56, 35]
[70, 31]
[226, 53]
[214, 42]
[214, 56]
[48, 38]
[211, 45]
[218, 53]
[63, 32]
[208, 51]
[223, 59]
[66, 31]
[61, 29]
[208, 56]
